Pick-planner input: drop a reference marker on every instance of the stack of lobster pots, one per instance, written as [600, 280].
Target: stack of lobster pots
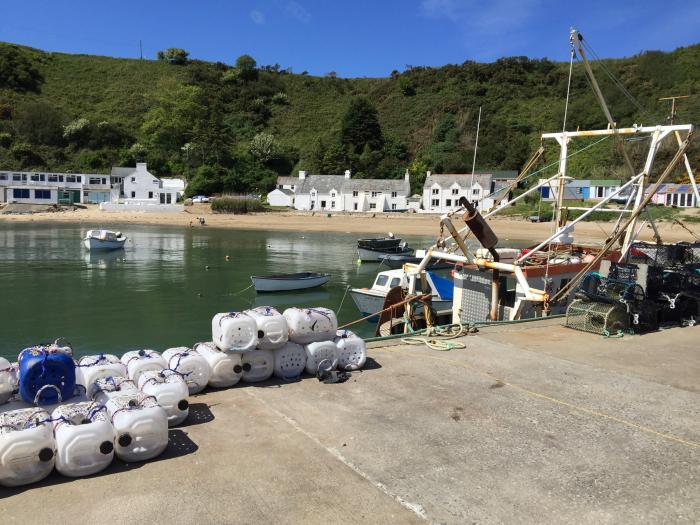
[77, 415]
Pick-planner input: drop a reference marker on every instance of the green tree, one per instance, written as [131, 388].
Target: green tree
[406, 87]
[40, 123]
[174, 55]
[264, 147]
[78, 131]
[17, 70]
[360, 126]
[247, 67]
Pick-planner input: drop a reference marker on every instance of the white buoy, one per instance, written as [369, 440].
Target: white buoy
[137, 361]
[321, 355]
[27, 446]
[170, 391]
[190, 365]
[226, 367]
[272, 327]
[140, 426]
[106, 387]
[90, 368]
[234, 332]
[84, 438]
[352, 350]
[7, 380]
[258, 365]
[308, 325]
[290, 361]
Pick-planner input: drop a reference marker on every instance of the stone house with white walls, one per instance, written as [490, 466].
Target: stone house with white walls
[442, 191]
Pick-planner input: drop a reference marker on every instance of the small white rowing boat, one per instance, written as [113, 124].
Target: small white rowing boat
[289, 281]
[104, 240]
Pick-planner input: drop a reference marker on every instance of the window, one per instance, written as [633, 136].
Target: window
[133, 194]
[133, 179]
[393, 206]
[78, 178]
[394, 194]
[599, 191]
[60, 178]
[681, 199]
[18, 177]
[53, 178]
[169, 198]
[475, 191]
[668, 199]
[435, 202]
[42, 194]
[455, 191]
[355, 206]
[448, 202]
[372, 206]
[381, 280]
[95, 180]
[34, 177]
[436, 191]
[73, 178]
[323, 204]
[395, 282]
[20, 193]
[376, 193]
[332, 204]
[355, 193]
[279, 186]
[3, 176]
[150, 194]
[332, 195]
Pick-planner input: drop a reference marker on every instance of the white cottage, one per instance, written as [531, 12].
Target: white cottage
[441, 191]
[139, 186]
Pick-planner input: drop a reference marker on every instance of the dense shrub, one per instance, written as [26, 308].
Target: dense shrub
[236, 205]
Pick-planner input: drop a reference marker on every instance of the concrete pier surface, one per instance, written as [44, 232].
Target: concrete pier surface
[531, 423]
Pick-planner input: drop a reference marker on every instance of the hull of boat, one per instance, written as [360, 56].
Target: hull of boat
[377, 255]
[263, 284]
[369, 303]
[396, 262]
[104, 245]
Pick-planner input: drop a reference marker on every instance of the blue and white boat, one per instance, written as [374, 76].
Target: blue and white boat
[104, 240]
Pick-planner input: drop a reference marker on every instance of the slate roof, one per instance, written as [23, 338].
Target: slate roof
[288, 181]
[287, 192]
[321, 183]
[445, 180]
[122, 172]
[386, 185]
[605, 182]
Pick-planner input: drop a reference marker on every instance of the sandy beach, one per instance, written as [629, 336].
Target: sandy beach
[379, 224]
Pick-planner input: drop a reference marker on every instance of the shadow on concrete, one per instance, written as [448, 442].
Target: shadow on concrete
[200, 413]
[179, 444]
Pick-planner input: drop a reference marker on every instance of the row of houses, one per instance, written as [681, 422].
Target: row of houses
[679, 195]
[441, 192]
[127, 185]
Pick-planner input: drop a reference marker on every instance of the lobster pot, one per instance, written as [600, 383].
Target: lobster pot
[138, 361]
[352, 350]
[45, 376]
[290, 361]
[90, 368]
[308, 325]
[192, 366]
[106, 387]
[7, 380]
[321, 355]
[272, 327]
[140, 426]
[258, 365]
[170, 391]
[226, 368]
[27, 446]
[84, 438]
[234, 332]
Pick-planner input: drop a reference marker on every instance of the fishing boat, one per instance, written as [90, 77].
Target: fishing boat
[104, 240]
[375, 249]
[285, 282]
[397, 261]
[371, 300]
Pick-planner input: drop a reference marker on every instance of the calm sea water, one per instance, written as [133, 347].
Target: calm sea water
[157, 293]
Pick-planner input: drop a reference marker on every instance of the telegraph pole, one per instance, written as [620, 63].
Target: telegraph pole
[672, 118]
[141, 49]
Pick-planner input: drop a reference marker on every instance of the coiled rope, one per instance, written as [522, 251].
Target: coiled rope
[437, 337]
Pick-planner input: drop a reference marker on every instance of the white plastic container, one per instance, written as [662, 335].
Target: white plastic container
[84, 438]
[170, 391]
[290, 361]
[321, 354]
[258, 365]
[352, 350]
[308, 325]
[27, 446]
[7, 380]
[140, 427]
[106, 387]
[90, 368]
[137, 361]
[272, 327]
[226, 368]
[192, 366]
[234, 332]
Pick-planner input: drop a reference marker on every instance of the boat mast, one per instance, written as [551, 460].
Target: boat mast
[476, 145]
[688, 169]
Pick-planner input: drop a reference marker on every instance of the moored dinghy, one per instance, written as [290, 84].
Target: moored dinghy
[289, 281]
[104, 240]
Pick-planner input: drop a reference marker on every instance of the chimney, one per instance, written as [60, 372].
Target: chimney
[141, 166]
[407, 176]
[428, 173]
[302, 175]
[347, 174]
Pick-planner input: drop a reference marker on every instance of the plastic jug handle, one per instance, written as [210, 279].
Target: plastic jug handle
[37, 397]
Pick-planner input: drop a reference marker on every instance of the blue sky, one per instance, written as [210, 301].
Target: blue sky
[353, 38]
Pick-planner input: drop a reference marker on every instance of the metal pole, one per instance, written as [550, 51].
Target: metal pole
[476, 145]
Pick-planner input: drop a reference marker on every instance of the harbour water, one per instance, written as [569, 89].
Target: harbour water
[157, 292]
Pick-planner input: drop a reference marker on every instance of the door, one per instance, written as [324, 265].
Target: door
[162, 198]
